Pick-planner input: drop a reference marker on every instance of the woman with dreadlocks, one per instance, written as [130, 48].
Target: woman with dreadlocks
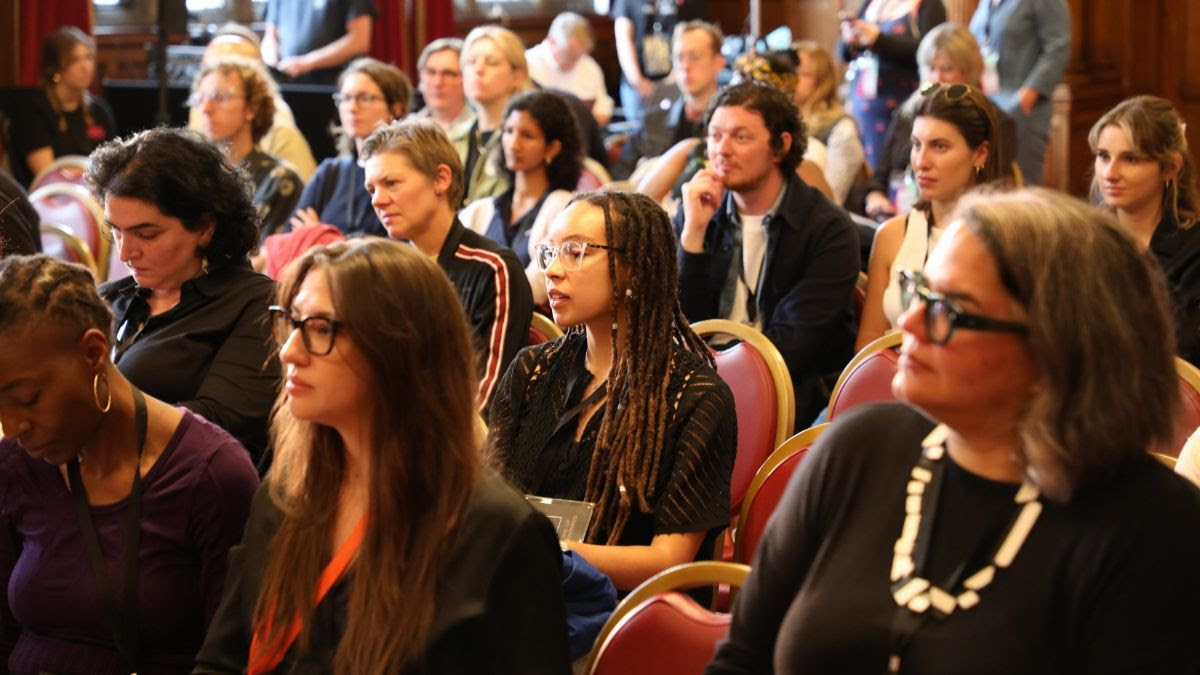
[625, 410]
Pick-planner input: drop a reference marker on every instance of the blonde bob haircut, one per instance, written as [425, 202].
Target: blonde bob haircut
[1100, 335]
[509, 45]
[956, 44]
[425, 145]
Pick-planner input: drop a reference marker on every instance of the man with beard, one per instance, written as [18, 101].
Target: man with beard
[760, 246]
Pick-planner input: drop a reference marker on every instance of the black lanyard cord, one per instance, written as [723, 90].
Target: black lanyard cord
[122, 618]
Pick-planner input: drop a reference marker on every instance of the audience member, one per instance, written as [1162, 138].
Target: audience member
[413, 179]
[116, 509]
[191, 321]
[1024, 528]
[236, 110]
[696, 53]
[370, 94]
[826, 119]
[1145, 174]
[948, 54]
[656, 463]
[1188, 464]
[563, 61]
[953, 137]
[441, 87]
[881, 47]
[61, 117]
[19, 222]
[420, 558]
[311, 41]
[1026, 46]
[644, 31]
[494, 70]
[283, 140]
[759, 246]
[543, 160]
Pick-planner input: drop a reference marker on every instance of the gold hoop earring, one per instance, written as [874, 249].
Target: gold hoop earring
[96, 393]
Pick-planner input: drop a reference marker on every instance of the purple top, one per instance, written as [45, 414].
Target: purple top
[194, 507]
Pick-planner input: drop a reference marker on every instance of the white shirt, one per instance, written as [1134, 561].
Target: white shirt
[754, 249]
[585, 80]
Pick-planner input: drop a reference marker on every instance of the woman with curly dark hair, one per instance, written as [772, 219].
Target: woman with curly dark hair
[191, 322]
[625, 410]
[542, 162]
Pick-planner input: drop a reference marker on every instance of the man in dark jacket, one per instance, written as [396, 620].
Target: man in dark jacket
[759, 246]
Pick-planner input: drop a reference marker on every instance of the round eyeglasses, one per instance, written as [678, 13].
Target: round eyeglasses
[570, 253]
[943, 316]
[317, 332]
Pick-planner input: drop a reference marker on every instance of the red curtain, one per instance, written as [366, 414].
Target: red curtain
[404, 27]
[40, 18]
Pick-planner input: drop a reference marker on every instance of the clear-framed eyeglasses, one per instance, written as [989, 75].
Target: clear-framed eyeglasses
[570, 253]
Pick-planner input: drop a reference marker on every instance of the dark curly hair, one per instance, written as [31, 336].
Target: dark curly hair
[779, 113]
[557, 121]
[187, 178]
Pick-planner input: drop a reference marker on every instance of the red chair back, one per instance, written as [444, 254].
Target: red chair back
[593, 177]
[767, 489]
[59, 242]
[73, 207]
[746, 373]
[868, 376]
[669, 633]
[69, 169]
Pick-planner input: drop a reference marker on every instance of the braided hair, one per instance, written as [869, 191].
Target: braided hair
[35, 288]
[625, 466]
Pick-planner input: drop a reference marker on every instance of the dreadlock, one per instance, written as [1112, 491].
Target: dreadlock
[628, 456]
[35, 288]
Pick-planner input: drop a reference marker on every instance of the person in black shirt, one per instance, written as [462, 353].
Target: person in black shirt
[191, 322]
[61, 117]
[625, 410]
[1024, 528]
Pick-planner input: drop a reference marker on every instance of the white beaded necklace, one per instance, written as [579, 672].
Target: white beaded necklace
[917, 594]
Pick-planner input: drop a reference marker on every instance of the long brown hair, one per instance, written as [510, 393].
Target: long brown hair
[633, 431]
[823, 108]
[56, 51]
[405, 319]
[974, 116]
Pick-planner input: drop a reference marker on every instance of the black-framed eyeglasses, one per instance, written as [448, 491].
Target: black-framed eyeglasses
[317, 332]
[943, 315]
[570, 253]
[953, 91]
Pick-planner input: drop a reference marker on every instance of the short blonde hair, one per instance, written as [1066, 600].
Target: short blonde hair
[425, 145]
[569, 25]
[509, 45]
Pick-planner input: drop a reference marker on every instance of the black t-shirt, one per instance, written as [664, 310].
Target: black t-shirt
[653, 25]
[1105, 583]
[303, 26]
[36, 126]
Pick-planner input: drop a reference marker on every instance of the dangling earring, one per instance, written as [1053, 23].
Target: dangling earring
[102, 407]
[56, 78]
[203, 265]
[437, 192]
[548, 160]
[978, 173]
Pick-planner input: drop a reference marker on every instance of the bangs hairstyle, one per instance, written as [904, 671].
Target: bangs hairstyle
[1100, 335]
[425, 144]
[779, 115]
[393, 84]
[258, 90]
[557, 122]
[510, 47]
[408, 333]
[1155, 129]
[974, 116]
[37, 289]
[956, 44]
[185, 177]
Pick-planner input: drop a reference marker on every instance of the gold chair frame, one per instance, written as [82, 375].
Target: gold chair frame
[81, 195]
[888, 341]
[785, 450]
[544, 324]
[75, 244]
[80, 162]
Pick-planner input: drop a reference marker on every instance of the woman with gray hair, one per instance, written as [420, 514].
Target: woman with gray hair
[1006, 518]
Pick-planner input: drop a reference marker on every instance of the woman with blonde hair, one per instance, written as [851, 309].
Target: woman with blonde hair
[494, 71]
[1007, 517]
[826, 119]
[1145, 174]
[380, 543]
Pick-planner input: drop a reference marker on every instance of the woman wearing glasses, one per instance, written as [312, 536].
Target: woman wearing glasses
[954, 142]
[1020, 528]
[625, 410]
[1144, 173]
[370, 94]
[419, 558]
[117, 510]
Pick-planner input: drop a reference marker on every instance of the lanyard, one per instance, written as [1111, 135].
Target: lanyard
[122, 618]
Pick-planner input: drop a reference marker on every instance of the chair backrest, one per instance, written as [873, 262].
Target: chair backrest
[868, 376]
[767, 489]
[593, 177]
[59, 242]
[66, 169]
[74, 208]
[656, 629]
[1188, 417]
[543, 329]
[762, 393]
